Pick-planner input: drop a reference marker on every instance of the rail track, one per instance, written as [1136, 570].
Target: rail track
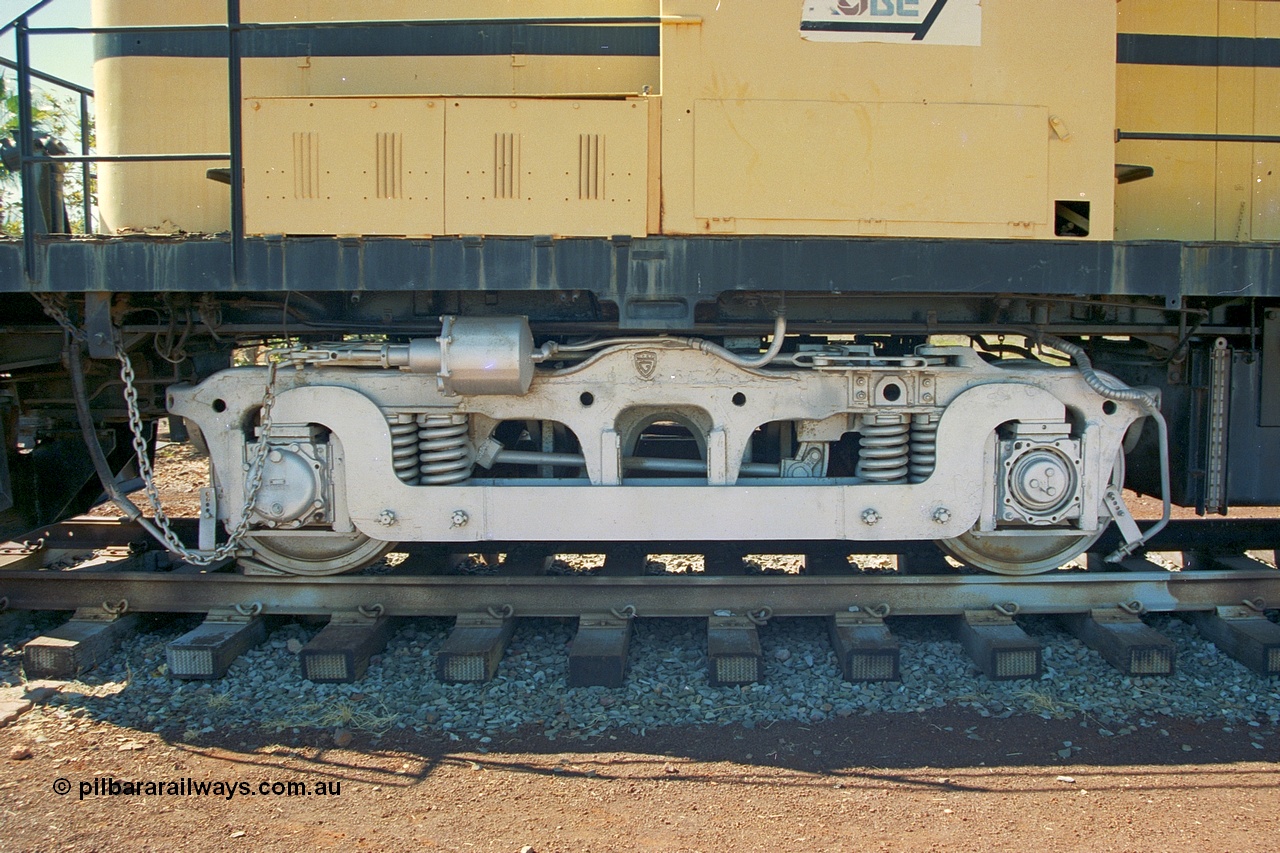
[1220, 588]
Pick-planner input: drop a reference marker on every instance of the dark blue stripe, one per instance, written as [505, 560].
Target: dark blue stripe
[415, 40]
[856, 27]
[1202, 51]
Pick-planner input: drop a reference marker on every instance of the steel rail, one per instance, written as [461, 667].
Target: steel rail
[652, 596]
[1207, 536]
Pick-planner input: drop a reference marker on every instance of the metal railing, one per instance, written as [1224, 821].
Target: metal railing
[234, 29]
[29, 160]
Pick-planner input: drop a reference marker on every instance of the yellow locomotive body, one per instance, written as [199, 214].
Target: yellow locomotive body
[713, 118]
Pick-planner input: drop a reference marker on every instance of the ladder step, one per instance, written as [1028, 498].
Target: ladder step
[828, 563]
[723, 562]
[625, 561]
[925, 563]
[527, 561]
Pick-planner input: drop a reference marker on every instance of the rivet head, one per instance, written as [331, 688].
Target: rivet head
[386, 518]
[870, 517]
[460, 518]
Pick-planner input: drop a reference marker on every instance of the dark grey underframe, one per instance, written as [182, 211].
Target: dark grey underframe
[655, 281]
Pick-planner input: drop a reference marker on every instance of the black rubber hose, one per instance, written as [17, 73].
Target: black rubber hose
[100, 463]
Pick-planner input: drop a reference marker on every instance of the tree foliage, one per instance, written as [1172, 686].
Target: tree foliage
[56, 116]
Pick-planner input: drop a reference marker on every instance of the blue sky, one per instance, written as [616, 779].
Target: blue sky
[69, 57]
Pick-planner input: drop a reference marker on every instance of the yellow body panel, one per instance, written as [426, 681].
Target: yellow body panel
[798, 161]
[1038, 59]
[1202, 190]
[320, 165]
[562, 167]
[743, 126]
[179, 102]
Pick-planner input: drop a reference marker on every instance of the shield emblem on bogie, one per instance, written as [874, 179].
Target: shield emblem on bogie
[646, 364]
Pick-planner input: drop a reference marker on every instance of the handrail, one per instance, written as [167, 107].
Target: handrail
[243, 26]
[235, 95]
[49, 78]
[234, 28]
[27, 14]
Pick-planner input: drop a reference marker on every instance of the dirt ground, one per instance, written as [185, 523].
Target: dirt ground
[944, 780]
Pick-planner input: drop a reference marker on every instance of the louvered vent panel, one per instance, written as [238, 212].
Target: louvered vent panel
[591, 167]
[390, 160]
[306, 165]
[506, 165]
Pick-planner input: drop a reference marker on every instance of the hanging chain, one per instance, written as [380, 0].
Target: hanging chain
[256, 469]
[54, 310]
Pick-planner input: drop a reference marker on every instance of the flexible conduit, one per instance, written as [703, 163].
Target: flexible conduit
[1123, 395]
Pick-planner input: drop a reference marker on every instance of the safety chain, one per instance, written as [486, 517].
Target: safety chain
[256, 469]
[54, 310]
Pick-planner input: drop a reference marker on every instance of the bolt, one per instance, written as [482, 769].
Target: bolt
[277, 509]
[942, 515]
[460, 518]
[386, 518]
[870, 517]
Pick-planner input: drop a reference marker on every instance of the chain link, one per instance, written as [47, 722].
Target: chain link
[256, 469]
[54, 310]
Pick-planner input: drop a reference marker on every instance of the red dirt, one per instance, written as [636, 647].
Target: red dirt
[944, 780]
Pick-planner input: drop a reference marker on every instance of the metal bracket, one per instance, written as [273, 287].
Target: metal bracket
[208, 538]
[1128, 527]
[99, 331]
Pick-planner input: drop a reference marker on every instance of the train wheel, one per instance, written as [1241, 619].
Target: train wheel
[1027, 552]
[322, 554]
[1017, 555]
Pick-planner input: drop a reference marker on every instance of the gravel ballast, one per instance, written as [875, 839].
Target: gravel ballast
[667, 684]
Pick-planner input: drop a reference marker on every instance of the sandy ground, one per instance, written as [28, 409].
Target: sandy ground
[944, 780]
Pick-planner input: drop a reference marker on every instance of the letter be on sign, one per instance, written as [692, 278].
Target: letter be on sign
[923, 22]
[895, 8]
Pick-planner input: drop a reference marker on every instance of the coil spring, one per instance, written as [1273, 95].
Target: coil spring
[924, 446]
[882, 454]
[404, 447]
[445, 453]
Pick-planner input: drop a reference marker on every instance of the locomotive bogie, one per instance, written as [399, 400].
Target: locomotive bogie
[942, 443]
